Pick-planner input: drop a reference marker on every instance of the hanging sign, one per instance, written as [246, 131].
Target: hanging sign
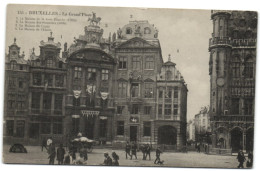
[75, 116]
[102, 117]
[88, 113]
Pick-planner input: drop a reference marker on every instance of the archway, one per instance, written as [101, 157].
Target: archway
[249, 139]
[236, 139]
[167, 135]
[222, 143]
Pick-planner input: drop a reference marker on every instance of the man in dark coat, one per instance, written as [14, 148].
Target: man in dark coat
[158, 153]
[143, 149]
[108, 160]
[133, 150]
[127, 150]
[44, 144]
[60, 154]
[52, 153]
[250, 159]
[241, 159]
[148, 151]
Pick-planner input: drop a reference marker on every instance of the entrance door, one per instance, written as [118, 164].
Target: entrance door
[236, 140]
[133, 133]
[89, 127]
[34, 130]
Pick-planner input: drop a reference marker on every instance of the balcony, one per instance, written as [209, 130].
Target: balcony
[234, 118]
[220, 41]
[169, 117]
[244, 42]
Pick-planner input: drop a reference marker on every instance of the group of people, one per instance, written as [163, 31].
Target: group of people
[108, 161]
[241, 159]
[131, 150]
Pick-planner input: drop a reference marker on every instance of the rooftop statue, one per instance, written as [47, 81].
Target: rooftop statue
[94, 19]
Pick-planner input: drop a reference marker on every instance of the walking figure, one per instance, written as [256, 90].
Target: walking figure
[60, 154]
[249, 163]
[158, 153]
[52, 154]
[133, 150]
[241, 159]
[44, 144]
[148, 151]
[143, 149]
[127, 150]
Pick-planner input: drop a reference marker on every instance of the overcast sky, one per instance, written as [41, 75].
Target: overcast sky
[186, 30]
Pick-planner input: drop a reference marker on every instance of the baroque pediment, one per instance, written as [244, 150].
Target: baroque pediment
[137, 43]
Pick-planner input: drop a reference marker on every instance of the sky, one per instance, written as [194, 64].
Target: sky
[186, 30]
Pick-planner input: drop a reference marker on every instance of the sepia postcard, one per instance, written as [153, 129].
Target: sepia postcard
[121, 86]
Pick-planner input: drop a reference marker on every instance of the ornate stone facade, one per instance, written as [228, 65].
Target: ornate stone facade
[232, 78]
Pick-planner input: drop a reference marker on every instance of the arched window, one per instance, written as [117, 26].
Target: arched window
[249, 67]
[128, 30]
[49, 62]
[147, 30]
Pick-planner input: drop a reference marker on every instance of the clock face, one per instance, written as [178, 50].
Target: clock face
[220, 82]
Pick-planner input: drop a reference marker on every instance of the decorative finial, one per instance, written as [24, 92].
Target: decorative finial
[169, 58]
[15, 40]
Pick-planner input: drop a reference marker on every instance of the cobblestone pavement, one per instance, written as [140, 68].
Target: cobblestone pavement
[171, 159]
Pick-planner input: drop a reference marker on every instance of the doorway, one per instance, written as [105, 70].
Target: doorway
[167, 135]
[236, 140]
[34, 130]
[89, 127]
[133, 133]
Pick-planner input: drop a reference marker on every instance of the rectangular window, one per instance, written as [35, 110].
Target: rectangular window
[20, 128]
[58, 104]
[45, 128]
[122, 89]
[47, 100]
[57, 125]
[59, 80]
[249, 106]
[77, 72]
[168, 93]
[149, 62]
[11, 104]
[104, 75]
[122, 62]
[235, 69]
[48, 80]
[91, 74]
[167, 109]
[20, 84]
[50, 62]
[12, 82]
[135, 109]
[9, 128]
[235, 106]
[148, 90]
[102, 127]
[147, 110]
[147, 128]
[37, 79]
[160, 109]
[120, 109]
[249, 70]
[175, 109]
[36, 100]
[136, 62]
[21, 67]
[120, 127]
[160, 94]
[134, 89]
[176, 93]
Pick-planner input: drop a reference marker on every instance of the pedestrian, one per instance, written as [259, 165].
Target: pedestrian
[148, 151]
[84, 152]
[107, 160]
[68, 158]
[52, 153]
[143, 149]
[60, 154]
[157, 155]
[133, 150]
[241, 159]
[198, 148]
[49, 141]
[127, 150]
[44, 143]
[249, 163]
[115, 158]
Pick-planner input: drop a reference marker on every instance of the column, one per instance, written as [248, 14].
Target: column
[82, 124]
[53, 80]
[64, 80]
[30, 102]
[172, 105]
[41, 102]
[214, 136]
[42, 82]
[241, 109]
[157, 101]
[96, 127]
[163, 104]
[244, 140]
[52, 103]
[63, 104]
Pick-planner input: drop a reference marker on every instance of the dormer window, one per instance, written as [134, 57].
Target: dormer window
[128, 31]
[147, 30]
[49, 62]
